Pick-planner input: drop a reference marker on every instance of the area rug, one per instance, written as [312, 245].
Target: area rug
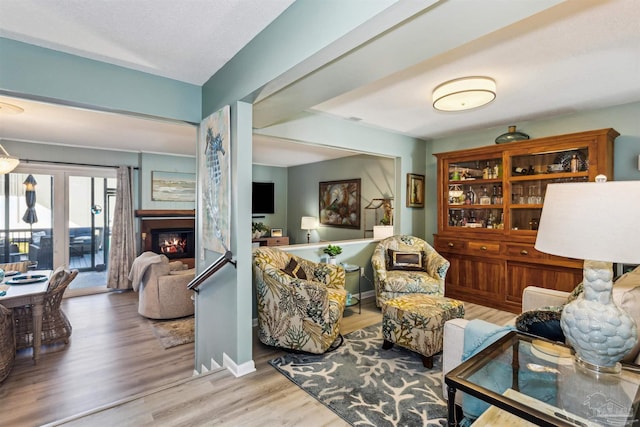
[369, 386]
[172, 333]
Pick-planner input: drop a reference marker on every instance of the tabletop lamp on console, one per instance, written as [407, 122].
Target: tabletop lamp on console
[597, 222]
[308, 223]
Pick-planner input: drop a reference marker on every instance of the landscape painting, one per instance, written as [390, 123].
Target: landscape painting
[173, 186]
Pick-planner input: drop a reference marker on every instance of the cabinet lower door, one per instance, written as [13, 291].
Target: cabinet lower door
[474, 279]
[520, 275]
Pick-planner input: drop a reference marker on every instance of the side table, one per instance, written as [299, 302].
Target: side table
[352, 301]
[538, 381]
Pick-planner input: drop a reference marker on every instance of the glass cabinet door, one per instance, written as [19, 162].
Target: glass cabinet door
[475, 194]
[528, 179]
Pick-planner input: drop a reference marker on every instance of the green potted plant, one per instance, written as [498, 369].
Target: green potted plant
[258, 229]
[332, 251]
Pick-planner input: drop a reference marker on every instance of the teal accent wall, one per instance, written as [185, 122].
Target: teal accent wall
[377, 175]
[224, 304]
[279, 176]
[623, 118]
[409, 155]
[163, 163]
[37, 152]
[30, 70]
[293, 37]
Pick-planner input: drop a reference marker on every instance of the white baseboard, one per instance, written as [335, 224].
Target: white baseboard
[235, 369]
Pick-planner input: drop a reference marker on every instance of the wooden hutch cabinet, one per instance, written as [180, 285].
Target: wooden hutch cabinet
[489, 204]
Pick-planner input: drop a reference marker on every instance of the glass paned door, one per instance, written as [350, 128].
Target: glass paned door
[89, 220]
[26, 219]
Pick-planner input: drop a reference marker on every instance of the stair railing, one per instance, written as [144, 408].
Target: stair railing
[211, 270]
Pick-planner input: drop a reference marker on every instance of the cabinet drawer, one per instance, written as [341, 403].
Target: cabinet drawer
[484, 247]
[277, 241]
[524, 252]
[443, 244]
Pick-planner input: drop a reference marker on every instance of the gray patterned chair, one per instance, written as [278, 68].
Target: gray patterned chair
[300, 303]
[407, 265]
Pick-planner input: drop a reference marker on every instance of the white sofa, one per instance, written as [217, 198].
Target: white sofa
[626, 293]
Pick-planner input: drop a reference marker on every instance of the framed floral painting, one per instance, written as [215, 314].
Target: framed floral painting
[340, 203]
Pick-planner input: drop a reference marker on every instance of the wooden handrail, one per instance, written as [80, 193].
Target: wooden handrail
[209, 271]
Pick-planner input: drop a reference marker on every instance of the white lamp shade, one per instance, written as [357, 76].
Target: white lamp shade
[308, 223]
[598, 221]
[382, 231]
[464, 93]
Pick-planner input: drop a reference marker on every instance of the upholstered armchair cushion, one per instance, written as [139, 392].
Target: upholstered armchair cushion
[394, 283]
[163, 292]
[299, 314]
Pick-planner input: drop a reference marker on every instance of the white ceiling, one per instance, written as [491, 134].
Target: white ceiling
[575, 56]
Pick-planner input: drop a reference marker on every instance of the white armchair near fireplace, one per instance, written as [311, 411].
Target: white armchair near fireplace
[162, 289]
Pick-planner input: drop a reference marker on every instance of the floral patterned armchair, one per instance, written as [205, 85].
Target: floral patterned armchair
[293, 311]
[394, 280]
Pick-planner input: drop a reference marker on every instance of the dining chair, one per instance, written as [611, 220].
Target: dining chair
[55, 324]
[7, 343]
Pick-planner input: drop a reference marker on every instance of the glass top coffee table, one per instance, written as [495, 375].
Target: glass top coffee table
[538, 381]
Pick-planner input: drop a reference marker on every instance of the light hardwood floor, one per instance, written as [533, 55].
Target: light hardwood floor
[113, 355]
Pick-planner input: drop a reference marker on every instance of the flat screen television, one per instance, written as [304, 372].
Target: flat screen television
[263, 198]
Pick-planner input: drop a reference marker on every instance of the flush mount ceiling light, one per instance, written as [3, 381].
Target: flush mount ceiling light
[10, 108]
[7, 161]
[464, 93]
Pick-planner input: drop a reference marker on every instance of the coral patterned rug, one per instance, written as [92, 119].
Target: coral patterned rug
[368, 386]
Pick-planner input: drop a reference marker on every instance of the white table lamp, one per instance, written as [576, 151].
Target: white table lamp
[308, 223]
[598, 222]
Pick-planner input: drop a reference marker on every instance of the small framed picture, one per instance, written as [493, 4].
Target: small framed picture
[415, 190]
[276, 232]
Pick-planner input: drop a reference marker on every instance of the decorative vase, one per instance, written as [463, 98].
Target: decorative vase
[511, 136]
[596, 328]
[332, 260]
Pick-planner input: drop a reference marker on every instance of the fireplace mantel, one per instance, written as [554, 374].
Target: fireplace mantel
[155, 213]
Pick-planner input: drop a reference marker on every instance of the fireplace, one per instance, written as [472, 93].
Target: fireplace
[174, 226]
[172, 242]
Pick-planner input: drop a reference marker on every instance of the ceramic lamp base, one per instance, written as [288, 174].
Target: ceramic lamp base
[596, 328]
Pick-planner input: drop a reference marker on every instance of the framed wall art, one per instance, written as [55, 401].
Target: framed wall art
[340, 203]
[415, 190]
[215, 180]
[173, 186]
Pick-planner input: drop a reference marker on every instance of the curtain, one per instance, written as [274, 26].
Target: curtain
[123, 246]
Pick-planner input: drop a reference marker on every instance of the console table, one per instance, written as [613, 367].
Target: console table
[538, 380]
[272, 241]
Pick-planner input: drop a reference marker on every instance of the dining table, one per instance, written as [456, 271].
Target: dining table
[27, 288]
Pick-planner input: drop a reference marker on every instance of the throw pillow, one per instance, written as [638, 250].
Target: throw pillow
[177, 265]
[406, 260]
[543, 322]
[294, 269]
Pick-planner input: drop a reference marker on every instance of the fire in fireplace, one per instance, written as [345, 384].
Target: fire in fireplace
[174, 243]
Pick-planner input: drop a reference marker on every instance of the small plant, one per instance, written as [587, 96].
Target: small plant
[332, 250]
[258, 226]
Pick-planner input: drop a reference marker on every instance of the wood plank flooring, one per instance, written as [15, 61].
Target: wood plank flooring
[113, 355]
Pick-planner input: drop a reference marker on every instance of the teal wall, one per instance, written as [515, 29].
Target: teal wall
[303, 29]
[162, 163]
[28, 70]
[409, 155]
[623, 118]
[377, 176]
[279, 176]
